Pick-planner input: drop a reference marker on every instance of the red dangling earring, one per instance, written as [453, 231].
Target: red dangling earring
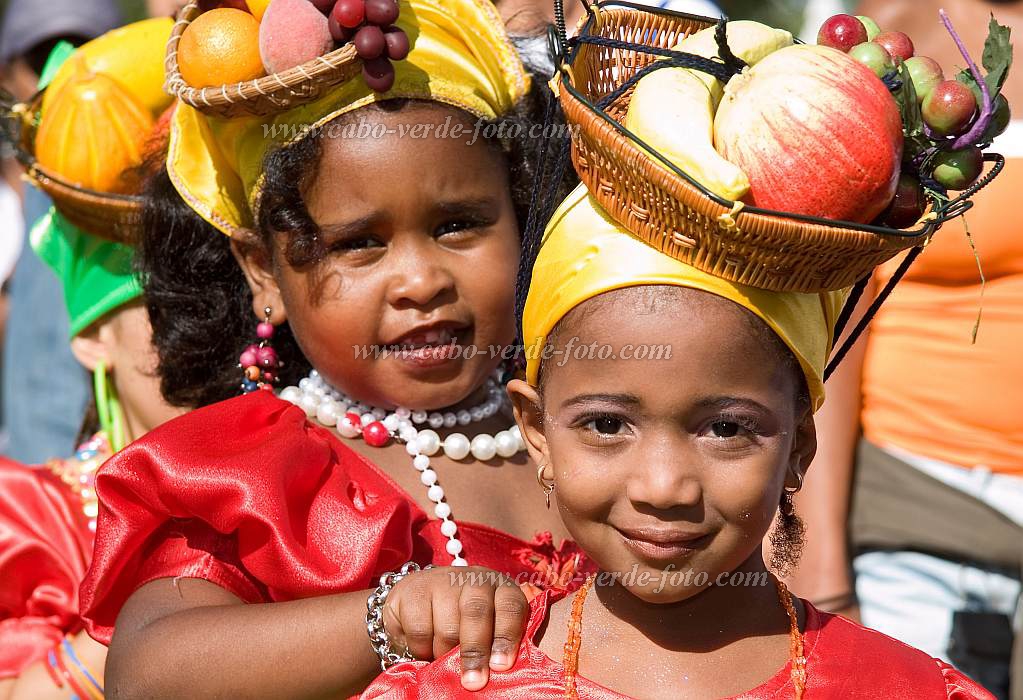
[259, 361]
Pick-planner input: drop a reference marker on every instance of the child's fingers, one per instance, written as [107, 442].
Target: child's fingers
[445, 624]
[413, 611]
[510, 613]
[476, 633]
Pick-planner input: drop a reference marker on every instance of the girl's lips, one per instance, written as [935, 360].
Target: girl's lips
[663, 545]
[430, 355]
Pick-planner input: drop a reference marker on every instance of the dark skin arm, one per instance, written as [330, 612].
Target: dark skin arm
[195, 639]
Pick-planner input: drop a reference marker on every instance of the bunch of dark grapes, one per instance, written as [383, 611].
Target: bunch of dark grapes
[369, 25]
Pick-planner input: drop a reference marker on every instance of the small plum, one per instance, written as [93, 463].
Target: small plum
[897, 44]
[925, 73]
[874, 57]
[949, 107]
[870, 25]
[842, 32]
[959, 169]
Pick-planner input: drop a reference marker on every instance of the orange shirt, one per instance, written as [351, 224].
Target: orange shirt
[926, 387]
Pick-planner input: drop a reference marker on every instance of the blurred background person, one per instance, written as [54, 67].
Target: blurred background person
[922, 432]
[44, 390]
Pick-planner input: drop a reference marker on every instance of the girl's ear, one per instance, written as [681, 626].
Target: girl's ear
[257, 265]
[804, 447]
[90, 348]
[529, 415]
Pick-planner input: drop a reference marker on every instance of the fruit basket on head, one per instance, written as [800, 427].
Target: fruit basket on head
[83, 138]
[775, 164]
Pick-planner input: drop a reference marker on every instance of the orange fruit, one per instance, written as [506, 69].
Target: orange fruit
[220, 47]
[257, 8]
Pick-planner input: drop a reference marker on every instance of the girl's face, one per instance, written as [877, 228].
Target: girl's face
[668, 465]
[422, 251]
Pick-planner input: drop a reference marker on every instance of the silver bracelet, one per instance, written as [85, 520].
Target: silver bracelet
[375, 616]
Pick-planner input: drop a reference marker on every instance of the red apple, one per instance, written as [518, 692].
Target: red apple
[949, 107]
[897, 44]
[842, 32]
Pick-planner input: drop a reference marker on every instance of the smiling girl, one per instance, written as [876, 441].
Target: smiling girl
[668, 474]
[247, 537]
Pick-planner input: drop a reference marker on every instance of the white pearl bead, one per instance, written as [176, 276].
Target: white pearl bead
[421, 462]
[314, 374]
[428, 477]
[456, 446]
[367, 418]
[458, 561]
[412, 448]
[404, 423]
[326, 413]
[418, 417]
[292, 394]
[489, 410]
[506, 443]
[305, 383]
[361, 408]
[435, 493]
[319, 391]
[402, 412]
[464, 418]
[450, 420]
[379, 413]
[347, 428]
[483, 447]
[428, 442]
[448, 528]
[436, 420]
[477, 413]
[408, 434]
[391, 422]
[442, 510]
[310, 402]
[454, 547]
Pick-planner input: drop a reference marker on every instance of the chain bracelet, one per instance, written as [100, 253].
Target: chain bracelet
[375, 616]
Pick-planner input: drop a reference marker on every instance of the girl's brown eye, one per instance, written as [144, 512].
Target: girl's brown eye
[725, 429]
[606, 425]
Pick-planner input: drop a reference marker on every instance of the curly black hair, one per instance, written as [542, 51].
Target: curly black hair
[200, 305]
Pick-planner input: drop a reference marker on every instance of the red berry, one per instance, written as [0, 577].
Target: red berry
[397, 43]
[842, 32]
[376, 434]
[349, 13]
[382, 12]
[341, 35]
[949, 108]
[369, 42]
[378, 73]
[897, 44]
[908, 204]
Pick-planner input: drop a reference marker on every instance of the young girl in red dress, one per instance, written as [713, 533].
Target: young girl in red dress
[376, 257]
[668, 472]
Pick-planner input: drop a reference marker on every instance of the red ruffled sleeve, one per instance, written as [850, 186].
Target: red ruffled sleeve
[45, 544]
[961, 687]
[248, 495]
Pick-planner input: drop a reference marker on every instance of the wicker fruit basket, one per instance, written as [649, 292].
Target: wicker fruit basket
[264, 96]
[115, 217]
[663, 206]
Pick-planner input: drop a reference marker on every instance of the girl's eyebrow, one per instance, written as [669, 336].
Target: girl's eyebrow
[351, 228]
[723, 402]
[470, 204]
[630, 400]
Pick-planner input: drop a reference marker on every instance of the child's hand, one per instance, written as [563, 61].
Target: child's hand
[431, 612]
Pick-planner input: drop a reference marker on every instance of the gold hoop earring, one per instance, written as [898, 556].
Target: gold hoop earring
[547, 486]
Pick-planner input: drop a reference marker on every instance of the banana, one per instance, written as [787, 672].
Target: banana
[133, 55]
[672, 109]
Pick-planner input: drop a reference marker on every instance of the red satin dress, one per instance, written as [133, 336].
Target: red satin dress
[47, 520]
[844, 661]
[249, 495]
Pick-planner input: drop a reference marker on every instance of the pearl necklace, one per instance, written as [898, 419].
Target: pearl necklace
[377, 427]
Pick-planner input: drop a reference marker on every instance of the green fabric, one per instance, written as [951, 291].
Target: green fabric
[96, 274]
[61, 52]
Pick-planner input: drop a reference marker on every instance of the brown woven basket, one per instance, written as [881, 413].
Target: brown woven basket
[767, 250]
[264, 96]
[115, 217]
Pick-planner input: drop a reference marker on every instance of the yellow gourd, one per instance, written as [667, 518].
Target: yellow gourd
[93, 131]
[132, 54]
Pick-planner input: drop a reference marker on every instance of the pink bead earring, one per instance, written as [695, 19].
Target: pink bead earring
[258, 361]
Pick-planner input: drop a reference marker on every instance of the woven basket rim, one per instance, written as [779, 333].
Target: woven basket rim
[255, 96]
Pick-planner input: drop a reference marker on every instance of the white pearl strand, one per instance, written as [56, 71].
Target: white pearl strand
[331, 408]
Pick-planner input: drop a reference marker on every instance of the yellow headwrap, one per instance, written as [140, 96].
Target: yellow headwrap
[586, 253]
[461, 56]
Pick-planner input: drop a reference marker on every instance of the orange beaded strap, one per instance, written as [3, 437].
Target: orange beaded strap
[575, 630]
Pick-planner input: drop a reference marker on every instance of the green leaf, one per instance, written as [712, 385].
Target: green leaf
[997, 55]
[912, 118]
